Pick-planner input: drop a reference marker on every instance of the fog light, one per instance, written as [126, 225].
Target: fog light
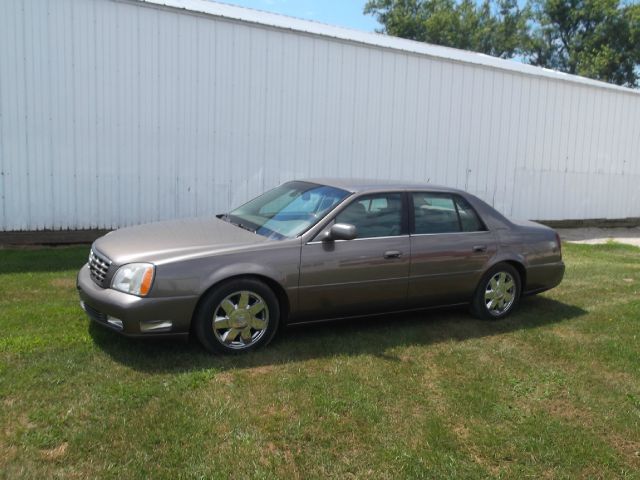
[115, 322]
[155, 326]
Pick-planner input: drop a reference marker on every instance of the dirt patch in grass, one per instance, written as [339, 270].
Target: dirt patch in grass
[20, 422]
[63, 282]
[615, 378]
[55, 453]
[261, 370]
[282, 410]
[465, 439]
[7, 453]
[292, 467]
[629, 449]
[225, 378]
[270, 454]
[572, 335]
[564, 409]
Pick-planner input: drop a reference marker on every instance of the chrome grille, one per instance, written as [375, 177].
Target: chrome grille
[98, 267]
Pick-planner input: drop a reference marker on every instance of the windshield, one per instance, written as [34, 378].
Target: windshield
[287, 210]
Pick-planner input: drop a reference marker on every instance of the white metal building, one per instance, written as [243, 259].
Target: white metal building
[114, 113]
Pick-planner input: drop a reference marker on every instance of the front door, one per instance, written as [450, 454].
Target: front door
[362, 276]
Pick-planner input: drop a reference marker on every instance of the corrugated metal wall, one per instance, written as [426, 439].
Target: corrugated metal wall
[117, 113]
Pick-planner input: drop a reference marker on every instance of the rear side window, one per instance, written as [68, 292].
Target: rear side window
[434, 213]
[468, 217]
[443, 213]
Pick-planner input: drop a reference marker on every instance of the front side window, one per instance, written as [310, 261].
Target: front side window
[443, 213]
[378, 215]
[287, 210]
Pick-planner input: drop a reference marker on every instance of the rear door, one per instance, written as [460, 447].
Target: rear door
[362, 276]
[450, 246]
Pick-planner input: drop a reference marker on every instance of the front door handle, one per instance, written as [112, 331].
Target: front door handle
[479, 248]
[392, 254]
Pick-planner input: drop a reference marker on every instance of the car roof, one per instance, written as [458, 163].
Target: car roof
[359, 185]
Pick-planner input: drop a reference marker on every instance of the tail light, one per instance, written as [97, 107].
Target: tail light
[559, 243]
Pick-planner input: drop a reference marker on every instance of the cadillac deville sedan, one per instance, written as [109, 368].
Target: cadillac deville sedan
[315, 250]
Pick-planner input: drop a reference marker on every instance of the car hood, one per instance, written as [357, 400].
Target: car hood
[162, 241]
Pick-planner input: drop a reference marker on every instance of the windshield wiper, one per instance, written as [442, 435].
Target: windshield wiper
[244, 227]
[227, 218]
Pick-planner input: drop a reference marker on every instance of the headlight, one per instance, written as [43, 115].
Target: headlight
[134, 278]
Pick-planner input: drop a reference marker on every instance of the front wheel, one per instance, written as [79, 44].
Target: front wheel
[497, 293]
[238, 316]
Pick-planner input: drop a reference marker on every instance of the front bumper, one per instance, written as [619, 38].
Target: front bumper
[131, 315]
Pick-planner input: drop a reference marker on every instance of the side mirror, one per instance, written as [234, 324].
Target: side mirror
[341, 231]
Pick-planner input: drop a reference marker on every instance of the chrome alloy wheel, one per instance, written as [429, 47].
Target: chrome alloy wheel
[500, 293]
[241, 319]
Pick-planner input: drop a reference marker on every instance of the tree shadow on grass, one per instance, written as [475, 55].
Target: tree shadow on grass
[365, 336]
[32, 259]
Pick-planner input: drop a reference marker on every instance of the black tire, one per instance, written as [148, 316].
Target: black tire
[479, 306]
[211, 339]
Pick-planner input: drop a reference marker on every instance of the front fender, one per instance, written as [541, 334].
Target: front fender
[240, 269]
[280, 268]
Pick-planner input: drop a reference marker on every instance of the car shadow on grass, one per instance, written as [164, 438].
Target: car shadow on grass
[376, 336]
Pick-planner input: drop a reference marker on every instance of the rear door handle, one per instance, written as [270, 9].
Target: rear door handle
[392, 254]
[479, 248]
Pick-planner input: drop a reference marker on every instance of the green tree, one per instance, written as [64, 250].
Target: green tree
[595, 38]
[497, 28]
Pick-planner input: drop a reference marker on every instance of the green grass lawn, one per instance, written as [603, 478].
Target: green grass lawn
[551, 392]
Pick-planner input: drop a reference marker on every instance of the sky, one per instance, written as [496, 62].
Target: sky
[344, 13]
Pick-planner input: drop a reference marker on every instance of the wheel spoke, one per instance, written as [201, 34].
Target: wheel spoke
[244, 300]
[228, 307]
[221, 322]
[230, 335]
[258, 324]
[508, 296]
[246, 334]
[256, 308]
[508, 284]
[490, 295]
[494, 284]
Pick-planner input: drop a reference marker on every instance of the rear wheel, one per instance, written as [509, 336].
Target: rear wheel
[497, 293]
[238, 316]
